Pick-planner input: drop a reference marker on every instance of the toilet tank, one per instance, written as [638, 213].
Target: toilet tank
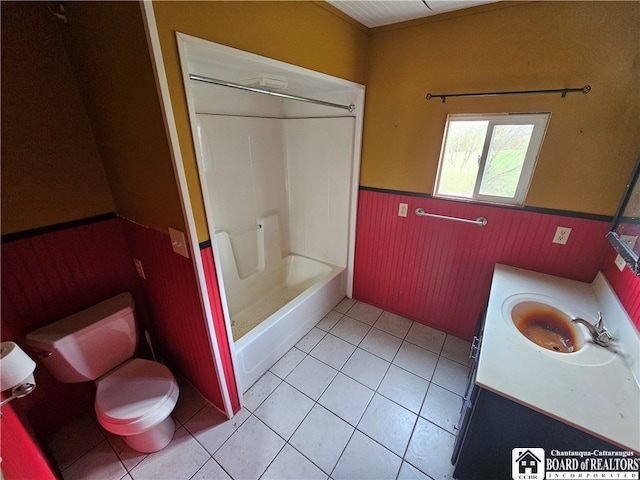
[87, 344]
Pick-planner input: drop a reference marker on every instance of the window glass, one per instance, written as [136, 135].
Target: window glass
[505, 160]
[463, 147]
[490, 157]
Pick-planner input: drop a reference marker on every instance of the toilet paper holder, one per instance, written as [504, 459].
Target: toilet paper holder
[16, 372]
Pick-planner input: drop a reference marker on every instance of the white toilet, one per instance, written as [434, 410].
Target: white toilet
[134, 397]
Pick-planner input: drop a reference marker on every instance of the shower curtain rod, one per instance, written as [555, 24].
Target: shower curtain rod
[443, 96]
[200, 78]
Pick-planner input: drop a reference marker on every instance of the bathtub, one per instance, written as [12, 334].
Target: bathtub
[272, 300]
[284, 314]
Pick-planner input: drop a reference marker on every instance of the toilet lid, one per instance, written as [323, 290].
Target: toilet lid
[134, 390]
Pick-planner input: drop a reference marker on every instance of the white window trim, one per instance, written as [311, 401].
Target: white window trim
[539, 121]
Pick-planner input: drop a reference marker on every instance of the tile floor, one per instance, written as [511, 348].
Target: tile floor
[364, 395]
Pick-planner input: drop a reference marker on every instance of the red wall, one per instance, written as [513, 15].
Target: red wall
[433, 271]
[48, 276]
[21, 456]
[220, 325]
[438, 272]
[178, 323]
[626, 286]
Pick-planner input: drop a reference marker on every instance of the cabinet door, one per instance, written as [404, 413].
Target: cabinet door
[499, 425]
[471, 390]
[463, 424]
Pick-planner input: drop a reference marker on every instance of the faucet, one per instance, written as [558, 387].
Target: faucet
[599, 334]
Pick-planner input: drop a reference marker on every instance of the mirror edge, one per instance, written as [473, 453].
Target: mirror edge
[630, 257]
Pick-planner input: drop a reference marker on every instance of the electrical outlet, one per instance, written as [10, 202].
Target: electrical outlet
[562, 235]
[620, 263]
[139, 268]
[402, 210]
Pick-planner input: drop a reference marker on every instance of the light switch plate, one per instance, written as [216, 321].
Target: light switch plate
[402, 209]
[139, 268]
[178, 242]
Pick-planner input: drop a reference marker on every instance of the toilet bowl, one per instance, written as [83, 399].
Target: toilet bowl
[134, 396]
[135, 401]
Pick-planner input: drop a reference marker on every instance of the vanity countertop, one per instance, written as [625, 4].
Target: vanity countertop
[595, 389]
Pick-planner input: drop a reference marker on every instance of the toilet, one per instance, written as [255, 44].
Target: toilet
[134, 396]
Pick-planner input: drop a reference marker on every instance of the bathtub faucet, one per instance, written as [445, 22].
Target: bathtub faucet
[599, 334]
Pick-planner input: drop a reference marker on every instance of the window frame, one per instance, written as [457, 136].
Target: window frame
[540, 122]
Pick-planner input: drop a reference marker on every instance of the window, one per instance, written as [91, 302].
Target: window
[490, 157]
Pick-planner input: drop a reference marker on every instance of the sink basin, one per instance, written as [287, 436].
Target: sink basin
[546, 326]
[544, 323]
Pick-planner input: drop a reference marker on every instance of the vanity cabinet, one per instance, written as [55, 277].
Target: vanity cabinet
[491, 426]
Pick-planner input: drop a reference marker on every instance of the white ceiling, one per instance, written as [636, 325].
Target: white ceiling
[376, 13]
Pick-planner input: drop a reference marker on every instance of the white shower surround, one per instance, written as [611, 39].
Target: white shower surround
[296, 169]
[279, 181]
[279, 194]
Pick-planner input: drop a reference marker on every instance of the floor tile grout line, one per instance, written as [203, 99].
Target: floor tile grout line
[294, 367]
[365, 433]
[287, 441]
[321, 469]
[441, 354]
[317, 402]
[403, 338]
[419, 469]
[191, 416]
[129, 471]
[349, 342]
[234, 433]
[113, 449]
[342, 452]
[430, 380]
[404, 454]
[266, 397]
[401, 457]
[202, 466]
[211, 454]
[275, 456]
[193, 435]
[120, 459]
[441, 386]
[80, 457]
[347, 361]
[405, 335]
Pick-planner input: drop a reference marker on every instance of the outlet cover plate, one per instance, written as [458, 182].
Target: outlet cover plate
[562, 235]
[620, 263]
[139, 269]
[178, 242]
[402, 209]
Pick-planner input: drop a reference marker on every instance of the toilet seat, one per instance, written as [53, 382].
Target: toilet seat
[135, 397]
